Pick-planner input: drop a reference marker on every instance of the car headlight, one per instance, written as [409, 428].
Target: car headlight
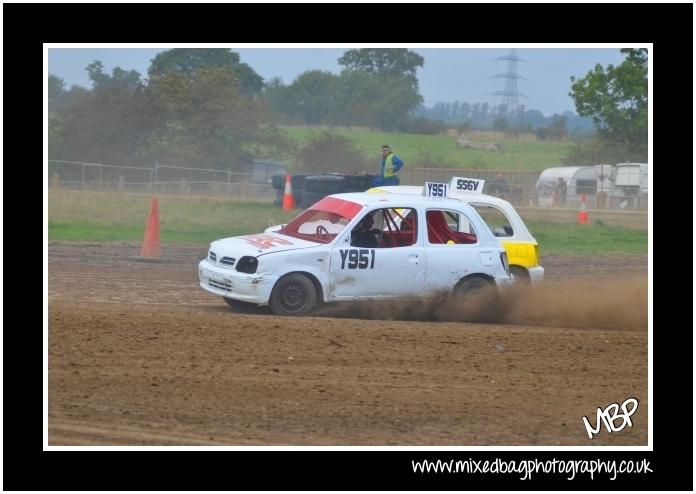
[247, 264]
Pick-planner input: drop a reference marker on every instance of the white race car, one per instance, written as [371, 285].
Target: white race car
[359, 246]
[502, 219]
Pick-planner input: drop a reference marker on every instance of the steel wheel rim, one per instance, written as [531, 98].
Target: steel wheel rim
[292, 296]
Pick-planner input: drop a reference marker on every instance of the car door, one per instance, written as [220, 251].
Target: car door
[452, 248]
[396, 267]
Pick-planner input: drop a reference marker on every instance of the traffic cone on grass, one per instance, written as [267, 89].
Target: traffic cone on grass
[582, 214]
[288, 199]
[151, 242]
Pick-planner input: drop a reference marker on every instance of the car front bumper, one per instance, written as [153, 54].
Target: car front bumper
[230, 283]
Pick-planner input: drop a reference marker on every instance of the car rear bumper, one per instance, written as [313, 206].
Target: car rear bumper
[536, 274]
[253, 288]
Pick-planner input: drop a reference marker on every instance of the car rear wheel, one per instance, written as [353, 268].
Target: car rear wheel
[520, 275]
[293, 295]
[475, 299]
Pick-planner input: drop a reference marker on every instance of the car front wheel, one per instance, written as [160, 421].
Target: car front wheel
[293, 295]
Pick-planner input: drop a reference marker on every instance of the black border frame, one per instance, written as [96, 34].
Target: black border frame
[27, 26]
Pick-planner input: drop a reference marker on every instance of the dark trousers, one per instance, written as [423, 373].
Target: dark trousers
[380, 180]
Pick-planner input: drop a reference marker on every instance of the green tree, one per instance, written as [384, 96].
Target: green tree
[617, 100]
[384, 61]
[55, 87]
[277, 97]
[110, 124]
[188, 62]
[120, 79]
[313, 96]
[383, 102]
[58, 97]
[379, 87]
[209, 122]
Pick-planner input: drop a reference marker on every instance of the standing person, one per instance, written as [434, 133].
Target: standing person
[389, 167]
[499, 186]
[562, 189]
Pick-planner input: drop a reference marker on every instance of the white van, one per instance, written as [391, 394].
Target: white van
[630, 185]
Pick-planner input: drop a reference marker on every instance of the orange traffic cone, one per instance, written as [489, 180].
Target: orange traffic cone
[151, 242]
[582, 214]
[288, 198]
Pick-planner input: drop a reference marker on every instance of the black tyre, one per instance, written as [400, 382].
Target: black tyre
[328, 184]
[475, 299]
[521, 275]
[297, 181]
[311, 198]
[297, 194]
[278, 182]
[293, 295]
[278, 201]
[358, 183]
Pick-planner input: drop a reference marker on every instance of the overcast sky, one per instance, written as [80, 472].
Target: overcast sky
[449, 74]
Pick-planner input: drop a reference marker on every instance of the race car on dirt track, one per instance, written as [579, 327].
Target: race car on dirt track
[360, 246]
[501, 217]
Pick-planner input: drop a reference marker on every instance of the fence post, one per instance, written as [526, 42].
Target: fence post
[101, 175]
[82, 177]
[156, 180]
[55, 181]
[121, 179]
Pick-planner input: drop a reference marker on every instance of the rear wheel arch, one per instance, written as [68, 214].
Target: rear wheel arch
[474, 279]
[520, 273]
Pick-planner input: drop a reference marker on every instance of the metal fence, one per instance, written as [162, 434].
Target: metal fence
[519, 187]
[162, 178]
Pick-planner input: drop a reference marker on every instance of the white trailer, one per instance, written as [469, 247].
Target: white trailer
[630, 186]
[578, 180]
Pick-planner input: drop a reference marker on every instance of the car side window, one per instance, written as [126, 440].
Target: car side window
[449, 227]
[496, 220]
[386, 228]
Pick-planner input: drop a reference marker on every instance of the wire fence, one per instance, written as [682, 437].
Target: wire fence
[161, 178]
[518, 187]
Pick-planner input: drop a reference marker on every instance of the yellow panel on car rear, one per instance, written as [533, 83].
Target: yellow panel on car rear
[521, 253]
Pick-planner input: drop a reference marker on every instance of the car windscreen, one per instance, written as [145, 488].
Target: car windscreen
[323, 221]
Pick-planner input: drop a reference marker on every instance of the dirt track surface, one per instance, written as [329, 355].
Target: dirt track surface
[140, 355]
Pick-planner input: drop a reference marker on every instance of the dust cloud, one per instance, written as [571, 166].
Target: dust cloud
[616, 303]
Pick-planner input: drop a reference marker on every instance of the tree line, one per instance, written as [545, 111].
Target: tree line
[206, 108]
[484, 116]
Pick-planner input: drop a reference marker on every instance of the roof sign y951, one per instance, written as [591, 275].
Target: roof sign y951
[435, 189]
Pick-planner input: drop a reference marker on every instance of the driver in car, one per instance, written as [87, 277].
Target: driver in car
[364, 235]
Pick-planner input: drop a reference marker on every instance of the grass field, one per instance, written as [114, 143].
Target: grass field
[441, 151]
[104, 216]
